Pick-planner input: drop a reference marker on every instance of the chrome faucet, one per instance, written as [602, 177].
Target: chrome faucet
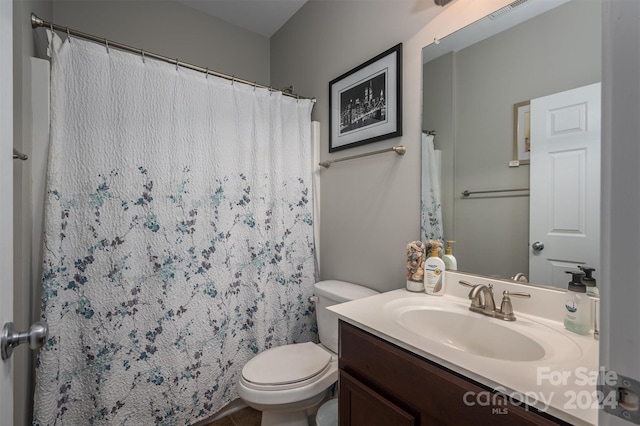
[485, 304]
[520, 277]
[482, 301]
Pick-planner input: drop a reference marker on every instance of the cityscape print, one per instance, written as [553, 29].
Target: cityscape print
[364, 104]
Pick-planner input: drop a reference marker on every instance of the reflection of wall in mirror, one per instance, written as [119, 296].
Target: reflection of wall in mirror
[475, 90]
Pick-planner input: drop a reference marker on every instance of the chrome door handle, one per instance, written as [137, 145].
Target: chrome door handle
[36, 336]
[537, 246]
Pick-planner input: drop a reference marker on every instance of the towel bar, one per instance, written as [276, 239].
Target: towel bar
[400, 150]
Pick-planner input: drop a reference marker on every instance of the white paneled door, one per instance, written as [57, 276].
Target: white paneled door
[564, 214]
[6, 200]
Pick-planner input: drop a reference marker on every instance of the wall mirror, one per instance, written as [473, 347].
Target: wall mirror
[529, 74]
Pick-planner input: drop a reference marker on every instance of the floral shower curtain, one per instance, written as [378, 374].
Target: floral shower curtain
[431, 204]
[178, 238]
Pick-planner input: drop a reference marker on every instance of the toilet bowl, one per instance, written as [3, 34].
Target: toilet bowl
[286, 390]
[288, 383]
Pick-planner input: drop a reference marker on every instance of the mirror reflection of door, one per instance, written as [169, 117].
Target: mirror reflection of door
[564, 210]
[471, 83]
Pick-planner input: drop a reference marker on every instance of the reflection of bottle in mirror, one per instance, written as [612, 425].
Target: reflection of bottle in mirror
[577, 305]
[589, 281]
[449, 259]
[595, 312]
[434, 274]
[592, 290]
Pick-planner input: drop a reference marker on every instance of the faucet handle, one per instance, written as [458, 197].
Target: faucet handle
[506, 308]
[508, 293]
[466, 283]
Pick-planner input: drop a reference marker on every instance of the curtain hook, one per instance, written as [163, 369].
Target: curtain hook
[177, 64]
[233, 79]
[255, 83]
[51, 26]
[270, 90]
[207, 74]
[297, 99]
[106, 43]
[142, 54]
[68, 35]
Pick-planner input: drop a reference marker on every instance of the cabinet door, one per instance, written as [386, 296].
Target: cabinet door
[359, 405]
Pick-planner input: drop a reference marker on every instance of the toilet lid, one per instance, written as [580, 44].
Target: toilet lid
[286, 364]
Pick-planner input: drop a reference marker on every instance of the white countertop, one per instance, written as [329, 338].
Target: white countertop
[563, 386]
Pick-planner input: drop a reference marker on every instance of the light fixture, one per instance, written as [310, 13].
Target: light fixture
[442, 2]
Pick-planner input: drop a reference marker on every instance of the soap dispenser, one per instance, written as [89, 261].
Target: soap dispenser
[577, 305]
[449, 259]
[589, 281]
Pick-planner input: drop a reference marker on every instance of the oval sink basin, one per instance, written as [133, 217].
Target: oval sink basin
[453, 325]
[472, 335]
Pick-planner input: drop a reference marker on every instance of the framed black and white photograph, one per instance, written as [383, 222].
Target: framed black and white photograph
[366, 102]
[522, 132]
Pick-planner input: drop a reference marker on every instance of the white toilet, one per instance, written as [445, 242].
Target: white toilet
[287, 383]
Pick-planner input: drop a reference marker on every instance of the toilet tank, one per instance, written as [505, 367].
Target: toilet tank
[329, 293]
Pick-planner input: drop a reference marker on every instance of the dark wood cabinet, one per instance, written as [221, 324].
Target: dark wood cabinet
[382, 384]
[360, 405]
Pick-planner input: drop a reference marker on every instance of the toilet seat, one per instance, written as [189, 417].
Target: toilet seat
[286, 367]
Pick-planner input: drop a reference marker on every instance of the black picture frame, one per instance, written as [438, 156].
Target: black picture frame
[365, 104]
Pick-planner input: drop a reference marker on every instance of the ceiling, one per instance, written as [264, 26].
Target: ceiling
[263, 17]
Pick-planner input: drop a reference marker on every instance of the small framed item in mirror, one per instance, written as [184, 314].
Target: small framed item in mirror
[522, 132]
[365, 104]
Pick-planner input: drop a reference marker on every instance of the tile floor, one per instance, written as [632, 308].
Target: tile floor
[245, 417]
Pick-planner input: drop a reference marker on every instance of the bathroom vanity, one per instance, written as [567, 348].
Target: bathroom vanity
[382, 384]
[414, 359]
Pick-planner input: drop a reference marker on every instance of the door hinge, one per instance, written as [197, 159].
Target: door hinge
[621, 395]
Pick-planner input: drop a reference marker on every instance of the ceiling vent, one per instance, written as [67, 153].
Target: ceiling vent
[504, 10]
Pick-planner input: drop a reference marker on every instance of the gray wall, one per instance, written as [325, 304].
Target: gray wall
[620, 296]
[542, 56]
[370, 207]
[171, 29]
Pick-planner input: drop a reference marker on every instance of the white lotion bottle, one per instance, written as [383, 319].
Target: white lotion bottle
[434, 274]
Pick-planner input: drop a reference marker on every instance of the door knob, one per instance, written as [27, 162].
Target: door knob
[537, 246]
[36, 336]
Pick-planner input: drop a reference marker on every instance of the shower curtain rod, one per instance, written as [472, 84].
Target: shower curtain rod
[37, 22]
